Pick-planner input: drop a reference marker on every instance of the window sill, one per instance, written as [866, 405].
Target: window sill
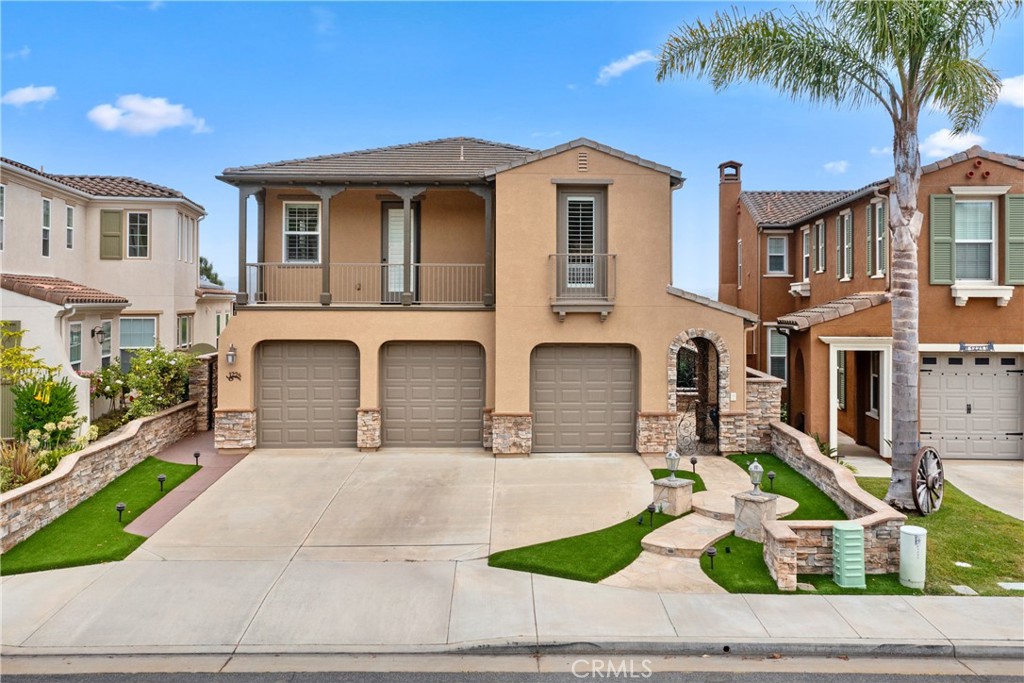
[878, 276]
[819, 272]
[799, 289]
[778, 274]
[845, 279]
[962, 292]
[873, 414]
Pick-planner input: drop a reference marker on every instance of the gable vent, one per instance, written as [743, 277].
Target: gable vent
[581, 162]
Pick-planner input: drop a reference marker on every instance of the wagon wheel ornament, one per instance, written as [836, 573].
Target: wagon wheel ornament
[926, 479]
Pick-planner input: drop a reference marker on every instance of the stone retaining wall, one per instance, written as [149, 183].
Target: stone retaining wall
[29, 508]
[805, 547]
[764, 405]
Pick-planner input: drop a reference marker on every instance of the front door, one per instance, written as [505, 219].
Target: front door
[393, 252]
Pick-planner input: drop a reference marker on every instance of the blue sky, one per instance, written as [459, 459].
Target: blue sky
[174, 92]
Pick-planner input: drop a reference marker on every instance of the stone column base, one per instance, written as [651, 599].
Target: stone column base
[234, 429]
[752, 511]
[511, 433]
[488, 428]
[732, 432]
[675, 496]
[655, 432]
[368, 429]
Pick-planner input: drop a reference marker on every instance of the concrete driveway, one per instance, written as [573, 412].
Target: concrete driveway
[398, 505]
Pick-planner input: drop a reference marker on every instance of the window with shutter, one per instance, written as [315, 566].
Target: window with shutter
[869, 232]
[839, 247]
[819, 228]
[806, 260]
[301, 233]
[110, 235]
[1014, 239]
[580, 241]
[940, 231]
[841, 379]
[974, 240]
[847, 246]
[138, 235]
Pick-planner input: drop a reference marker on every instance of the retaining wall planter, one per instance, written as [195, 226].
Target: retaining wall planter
[29, 508]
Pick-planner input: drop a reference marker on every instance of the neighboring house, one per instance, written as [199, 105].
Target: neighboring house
[815, 266]
[213, 311]
[460, 292]
[95, 267]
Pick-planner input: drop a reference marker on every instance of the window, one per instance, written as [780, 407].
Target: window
[107, 327]
[874, 387]
[841, 379]
[739, 264]
[46, 228]
[136, 333]
[217, 317]
[581, 266]
[877, 229]
[580, 238]
[138, 234]
[847, 219]
[3, 202]
[184, 331]
[181, 237]
[70, 227]
[819, 228]
[75, 346]
[777, 254]
[777, 365]
[301, 233]
[975, 244]
[806, 237]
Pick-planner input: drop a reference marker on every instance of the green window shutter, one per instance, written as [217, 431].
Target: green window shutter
[869, 230]
[839, 247]
[110, 235]
[942, 231]
[813, 237]
[1014, 239]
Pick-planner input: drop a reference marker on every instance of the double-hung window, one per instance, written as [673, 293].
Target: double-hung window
[878, 230]
[844, 246]
[70, 236]
[777, 254]
[819, 229]
[874, 400]
[975, 243]
[138, 234]
[46, 228]
[107, 328]
[806, 259]
[777, 350]
[184, 331]
[739, 264]
[75, 346]
[181, 237]
[136, 333]
[301, 232]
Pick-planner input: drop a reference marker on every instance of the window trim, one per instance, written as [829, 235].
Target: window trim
[993, 240]
[805, 257]
[45, 245]
[739, 264]
[785, 255]
[128, 235]
[820, 231]
[880, 266]
[70, 227]
[76, 365]
[189, 318]
[874, 384]
[847, 219]
[285, 232]
[107, 325]
[770, 329]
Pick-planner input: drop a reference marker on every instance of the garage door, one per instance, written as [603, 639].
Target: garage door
[307, 394]
[583, 398]
[432, 394]
[972, 405]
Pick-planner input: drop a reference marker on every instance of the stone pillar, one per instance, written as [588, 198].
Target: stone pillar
[202, 388]
[368, 429]
[674, 495]
[655, 432]
[511, 433]
[752, 511]
[234, 430]
[487, 432]
[732, 432]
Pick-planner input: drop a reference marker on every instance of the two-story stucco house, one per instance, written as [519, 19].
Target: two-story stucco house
[94, 267]
[815, 267]
[465, 293]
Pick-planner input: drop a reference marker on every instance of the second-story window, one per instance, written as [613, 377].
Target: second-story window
[70, 237]
[819, 229]
[806, 237]
[138, 234]
[739, 264]
[301, 233]
[877, 230]
[975, 247]
[46, 228]
[777, 254]
[844, 246]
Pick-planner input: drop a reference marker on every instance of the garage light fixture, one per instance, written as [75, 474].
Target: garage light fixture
[232, 355]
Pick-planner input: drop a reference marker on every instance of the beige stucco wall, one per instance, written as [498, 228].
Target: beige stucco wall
[207, 312]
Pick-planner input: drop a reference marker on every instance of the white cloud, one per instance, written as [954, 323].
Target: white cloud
[23, 53]
[942, 143]
[139, 115]
[880, 151]
[621, 66]
[29, 94]
[836, 167]
[155, 5]
[1012, 92]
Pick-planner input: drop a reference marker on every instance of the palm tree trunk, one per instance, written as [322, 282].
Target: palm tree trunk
[905, 225]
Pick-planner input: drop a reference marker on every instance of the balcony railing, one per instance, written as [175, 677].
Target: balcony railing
[369, 284]
[582, 283]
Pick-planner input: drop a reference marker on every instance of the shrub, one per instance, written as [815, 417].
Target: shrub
[110, 421]
[37, 404]
[18, 465]
[110, 383]
[158, 379]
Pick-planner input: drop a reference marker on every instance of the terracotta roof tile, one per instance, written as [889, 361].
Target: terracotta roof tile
[57, 290]
[837, 308]
[782, 208]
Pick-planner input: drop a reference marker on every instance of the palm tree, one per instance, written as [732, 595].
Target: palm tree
[904, 55]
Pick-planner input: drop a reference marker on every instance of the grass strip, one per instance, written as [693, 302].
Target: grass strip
[698, 483]
[812, 501]
[90, 533]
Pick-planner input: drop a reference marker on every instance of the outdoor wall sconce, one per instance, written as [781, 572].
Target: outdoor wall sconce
[756, 472]
[196, 456]
[98, 334]
[672, 462]
[120, 510]
[233, 375]
[693, 463]
[711, 552]
[771, 480]
[161, 478]
[232, 355]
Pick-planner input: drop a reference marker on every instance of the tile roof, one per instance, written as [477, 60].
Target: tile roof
[783, 208]
[837, 308]
[712, 303]
[585, 142]
[455, 159]
[57, 290]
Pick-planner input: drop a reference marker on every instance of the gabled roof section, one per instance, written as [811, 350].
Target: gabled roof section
[676, 176]
[781, 209]
[458, 159]
[837, 308]
[59, 291]
[712, 303]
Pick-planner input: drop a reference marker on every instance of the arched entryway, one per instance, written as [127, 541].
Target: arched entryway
[698, 389]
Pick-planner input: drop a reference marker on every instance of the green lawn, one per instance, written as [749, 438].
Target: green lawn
[588, 557]
[814, 504]
[698, 483]
[90, 532]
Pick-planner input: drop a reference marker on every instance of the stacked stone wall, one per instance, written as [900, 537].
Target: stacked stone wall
[234, 430]
[764, 406]
[655, 432]
[511, 433]
[202, 390]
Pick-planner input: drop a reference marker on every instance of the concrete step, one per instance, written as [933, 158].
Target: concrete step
[686, 537]
[664, 574]
[721, 506]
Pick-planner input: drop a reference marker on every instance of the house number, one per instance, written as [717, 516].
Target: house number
[232, 376]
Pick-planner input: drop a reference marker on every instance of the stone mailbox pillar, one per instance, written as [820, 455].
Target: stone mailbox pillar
[752, 510]
[675, 496]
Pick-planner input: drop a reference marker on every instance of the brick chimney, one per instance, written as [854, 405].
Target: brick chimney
[729, 187]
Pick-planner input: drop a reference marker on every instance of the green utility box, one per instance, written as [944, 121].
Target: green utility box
[848, 555]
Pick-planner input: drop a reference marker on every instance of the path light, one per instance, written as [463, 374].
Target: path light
[771, 480]
[693, 463]
[672, 461]
[756, 472]
[161, 478]
[196, 456]
[120, 509]
[650, 509]
[711, 552]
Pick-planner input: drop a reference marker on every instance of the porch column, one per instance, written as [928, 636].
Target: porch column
[325, 192]
[243, 224]
[407, 194]
[488, 196]
[261, 231]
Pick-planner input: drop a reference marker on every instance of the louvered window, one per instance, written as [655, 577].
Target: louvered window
[302, 233]
[580, 241]
[974, 240]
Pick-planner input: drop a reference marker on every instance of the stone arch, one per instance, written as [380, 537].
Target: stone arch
[723, 364]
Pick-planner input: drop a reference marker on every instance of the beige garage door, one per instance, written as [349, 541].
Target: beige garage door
[307, 394]
[432, 394]
[583, 398]
[972, 404]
